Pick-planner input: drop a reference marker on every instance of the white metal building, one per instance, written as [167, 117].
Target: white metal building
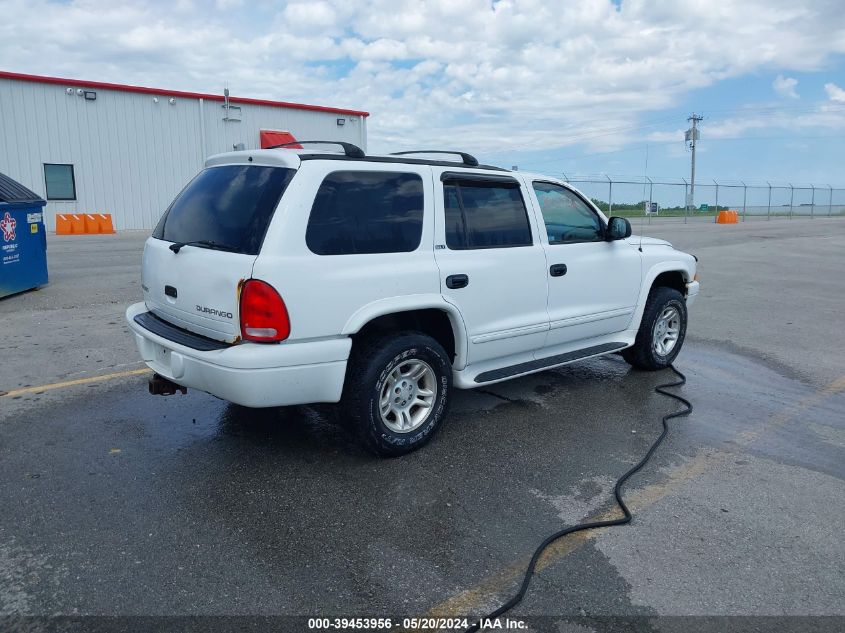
[93, 147]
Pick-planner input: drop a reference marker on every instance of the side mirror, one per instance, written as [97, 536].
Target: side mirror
[618, 229]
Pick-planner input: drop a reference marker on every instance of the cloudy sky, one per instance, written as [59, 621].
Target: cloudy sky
[584, 87]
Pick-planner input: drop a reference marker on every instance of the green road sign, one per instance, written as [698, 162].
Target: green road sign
[704, 207]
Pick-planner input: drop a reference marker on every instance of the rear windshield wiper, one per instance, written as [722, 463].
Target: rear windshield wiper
[176, 247]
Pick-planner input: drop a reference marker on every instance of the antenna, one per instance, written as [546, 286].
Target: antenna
[227, 107]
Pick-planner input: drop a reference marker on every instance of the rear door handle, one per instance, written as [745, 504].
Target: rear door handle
[457, 281]
[557, 270]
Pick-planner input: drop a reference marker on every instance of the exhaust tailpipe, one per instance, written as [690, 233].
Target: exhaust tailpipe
[161, 386]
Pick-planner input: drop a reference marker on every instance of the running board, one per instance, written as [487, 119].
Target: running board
[551, 361]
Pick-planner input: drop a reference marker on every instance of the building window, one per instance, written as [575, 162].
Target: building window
[361, 212]
[60, 182]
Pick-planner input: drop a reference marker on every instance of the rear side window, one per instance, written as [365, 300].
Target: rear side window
[483, 214]
[230, 206]
[358, 212]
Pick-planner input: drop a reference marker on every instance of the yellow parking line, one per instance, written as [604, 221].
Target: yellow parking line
[72, 383]
[487, 592]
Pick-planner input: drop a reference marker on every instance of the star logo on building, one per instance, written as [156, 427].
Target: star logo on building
[8, 224]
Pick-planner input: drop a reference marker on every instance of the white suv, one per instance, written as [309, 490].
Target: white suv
[282, 277]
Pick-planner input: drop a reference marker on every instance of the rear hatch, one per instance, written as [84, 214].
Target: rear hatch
[205, 245]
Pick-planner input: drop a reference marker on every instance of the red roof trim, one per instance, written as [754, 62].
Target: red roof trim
[174, 93]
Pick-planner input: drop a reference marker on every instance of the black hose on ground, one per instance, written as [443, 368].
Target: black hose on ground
[617, 492]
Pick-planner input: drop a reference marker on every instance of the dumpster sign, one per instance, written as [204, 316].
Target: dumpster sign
[8, 224]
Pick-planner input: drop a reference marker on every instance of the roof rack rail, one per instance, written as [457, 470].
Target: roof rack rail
[468, 159]
[353, 151]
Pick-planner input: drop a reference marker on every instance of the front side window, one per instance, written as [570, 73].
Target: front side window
[485, 214]
[360, 212]
[227, 207]
[59, 182]
[568, 218]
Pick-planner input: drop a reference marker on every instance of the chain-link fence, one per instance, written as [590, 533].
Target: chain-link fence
[672, 198]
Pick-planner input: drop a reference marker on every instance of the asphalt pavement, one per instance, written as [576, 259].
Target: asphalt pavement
[118, 503]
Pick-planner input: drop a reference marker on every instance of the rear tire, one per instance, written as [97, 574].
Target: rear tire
[397, 391]
[662, 331]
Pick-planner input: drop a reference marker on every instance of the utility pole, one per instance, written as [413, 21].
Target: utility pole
[691, 137]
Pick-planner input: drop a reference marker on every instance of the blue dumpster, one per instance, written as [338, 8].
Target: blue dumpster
[23, 242]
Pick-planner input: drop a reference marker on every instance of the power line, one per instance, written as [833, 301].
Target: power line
[632, 128]
[757, 110]
[613, 130]
[627, 128]
[560, 159]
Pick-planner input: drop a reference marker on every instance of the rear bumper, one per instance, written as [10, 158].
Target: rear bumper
[692, 292]
[249, 374]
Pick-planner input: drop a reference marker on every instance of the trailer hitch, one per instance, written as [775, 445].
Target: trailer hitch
[161, 386]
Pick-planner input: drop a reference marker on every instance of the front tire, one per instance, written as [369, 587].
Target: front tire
[662, 331]
[397, 391]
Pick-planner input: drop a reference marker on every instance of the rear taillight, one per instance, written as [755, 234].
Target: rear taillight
[264, 316]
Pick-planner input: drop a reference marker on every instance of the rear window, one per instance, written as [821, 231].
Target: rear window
[358, 212]
[230, 206]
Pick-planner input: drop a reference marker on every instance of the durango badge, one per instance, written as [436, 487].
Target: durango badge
[227, 315]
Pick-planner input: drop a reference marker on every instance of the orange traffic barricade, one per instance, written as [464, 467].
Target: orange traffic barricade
[106, 225]
[63, 225]
[70, 224]
[83, 223]
[92, 223]
[727, 217]
[98, 223]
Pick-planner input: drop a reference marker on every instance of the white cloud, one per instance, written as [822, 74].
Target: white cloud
[766, 122]
[384, 49]
[666, 137]
[835, 93]
[526, 74]
[785, 86]
[225, 5]
[301, 16]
